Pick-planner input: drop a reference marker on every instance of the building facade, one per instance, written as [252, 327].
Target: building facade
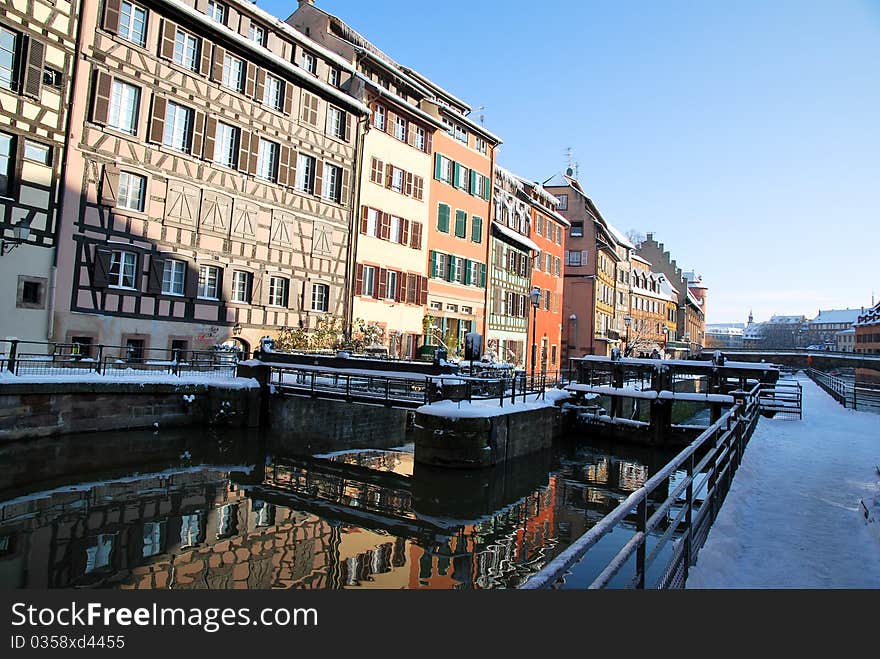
[209, 191]
[37, 60]
[649, 311]
[867, 332]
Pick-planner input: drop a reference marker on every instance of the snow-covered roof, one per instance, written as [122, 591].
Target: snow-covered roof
[693, 300]
[786, 320]
[851, 330]
[518, 237]
[667, 287]
[837, 316]
[636, 257]
[620, 238]
[473, 125]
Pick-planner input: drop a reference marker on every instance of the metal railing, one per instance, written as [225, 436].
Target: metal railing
[783, 399]
[848, 393]
[683, 518]
[406, 391]
[50, 359]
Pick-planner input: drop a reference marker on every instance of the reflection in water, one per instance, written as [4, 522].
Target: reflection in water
[354, 519]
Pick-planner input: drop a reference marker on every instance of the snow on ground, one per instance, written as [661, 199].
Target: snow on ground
[142, 378]
[793, 517]
[491, 407]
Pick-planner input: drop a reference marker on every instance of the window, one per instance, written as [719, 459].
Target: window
[379, 117]
[305, 172]
[186, 50]
[335, 122]
[391, 284]
[460, 224]
[419, 138]
[563, 202]
[479, 182]
[372, 222]
[557, 265]
[574, 259]
[558, 240]
[481, 145]
[267, 160]
[178, 121]
[445, 169]
[52, 77]
[277, 292]
[333, 76]
[577, 229]
[443, 218]
[394, 231]
[377, 171]
[476, 270]
[7, 151]
[122, 269]
[441, 268]
[397, 178]
[400, 128]
[226, 145]
[461, 134]
[369, 282]
[241, 286]
[124, 101]
[476, 229]
[309, 113]
[320, 297]
[537, 261]
[463, 176]
[233, 73]
[85, 345]
[131, 191]
[309, 63]
[332, 183]
[257, 34]
[216, 11]
[134, 349]
[458, 275]
[9, 43]
[173, 276]
[209, 278]
[31, 293]
[273, 96]
[37, 152]
[133, 23]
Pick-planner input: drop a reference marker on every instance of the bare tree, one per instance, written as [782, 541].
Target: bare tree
[635, 237]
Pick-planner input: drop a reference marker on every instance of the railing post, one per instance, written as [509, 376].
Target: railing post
[641, 527]
[689, 516]
[13, 350]
[100, 358]
[387, 393]
[427, 390]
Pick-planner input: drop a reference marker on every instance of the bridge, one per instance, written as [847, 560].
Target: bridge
[822, 360]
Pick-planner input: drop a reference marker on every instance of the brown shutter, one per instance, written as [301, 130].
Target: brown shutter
[157, 124]
[33, 73]
[101, 104]
[198, 134]
[389, 122]
[226, 284]
[257, 289]
[245, 27]
[365, 211]
[319, 177]
[389, 174]
[254, 154]
[348, 125]
[429, 141]
[166, 45]
[244, 150]
[288, 97]
[384, 225]
[404, 232]
[191, 286]
[291, 298]
[210, 138]
[154, 276]
[101, 269]
[401, 287]
[260, 88]
[250, 79]
[408, 185]
[411, 134]
[111, 15]
[109, 185]
[284, 166]
[416, 236]
[359, 280]
[205, 51]
[424, 294]
[217, 66]
[202, 5]
[344, 191]
[383, 279]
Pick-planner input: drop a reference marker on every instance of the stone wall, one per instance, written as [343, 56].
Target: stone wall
[40, 410]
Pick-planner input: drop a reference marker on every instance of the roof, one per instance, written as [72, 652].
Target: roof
[620, 238]
[786, 320]
[518, 237]
[636, 257]
[837, 316]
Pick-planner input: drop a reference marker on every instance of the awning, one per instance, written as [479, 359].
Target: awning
[517, 237]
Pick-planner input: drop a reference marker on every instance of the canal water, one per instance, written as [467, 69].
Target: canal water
[187, 509]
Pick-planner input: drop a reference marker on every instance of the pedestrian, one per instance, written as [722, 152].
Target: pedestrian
[615, 354]
[716, 356]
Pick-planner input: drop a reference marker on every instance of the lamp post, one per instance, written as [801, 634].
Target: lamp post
[665, 339]
[627, 320]
[20, 234]
[535, 295]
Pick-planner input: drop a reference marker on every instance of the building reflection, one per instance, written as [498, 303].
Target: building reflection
[368, 519]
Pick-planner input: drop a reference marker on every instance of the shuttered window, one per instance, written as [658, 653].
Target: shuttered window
[233, 73]
[131, 191]
[124, 104]
[178, 124]
[132, 23]
[226, 145]
[443, 218]
[460, 224]
[9, 45]
[309, 112]
[122, 269]
[186, 50]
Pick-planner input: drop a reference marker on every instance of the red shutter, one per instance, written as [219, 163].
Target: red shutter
[101, 104]
[217, 66]
[424, 295]
[401, 287]
[111, 15]
[166, 48]
[383, 278]
[359, 280]
[157, 124]
[364, 214]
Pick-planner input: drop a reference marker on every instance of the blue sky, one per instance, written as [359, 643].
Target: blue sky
[745, 135]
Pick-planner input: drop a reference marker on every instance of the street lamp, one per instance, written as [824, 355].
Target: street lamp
[20, 233]
[627, 320]
[665, 339]
[535, 295]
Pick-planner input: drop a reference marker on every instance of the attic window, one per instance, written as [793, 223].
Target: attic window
[563, 202]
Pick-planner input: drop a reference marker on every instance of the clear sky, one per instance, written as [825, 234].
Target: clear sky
[745, 135]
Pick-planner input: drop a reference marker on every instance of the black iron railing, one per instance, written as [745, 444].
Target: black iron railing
[848, 393]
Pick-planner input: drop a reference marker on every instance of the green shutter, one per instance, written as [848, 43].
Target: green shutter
[433, 263]
[443, 218]
[474, 176]
[451, 276]
[485, 188]
[455, 174]
[483, 275]
[467, 272]
[477, 229]
[437, 157]
[461, 224]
